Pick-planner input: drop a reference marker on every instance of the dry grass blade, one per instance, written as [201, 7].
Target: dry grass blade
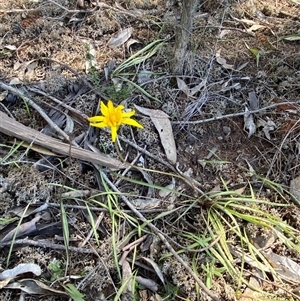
[66, 233]
[15, 234]
[224, 218]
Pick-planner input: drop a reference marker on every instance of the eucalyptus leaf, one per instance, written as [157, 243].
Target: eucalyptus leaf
[121, 38]
[163, 125]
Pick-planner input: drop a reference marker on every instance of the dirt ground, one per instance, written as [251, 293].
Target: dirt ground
[243, 54]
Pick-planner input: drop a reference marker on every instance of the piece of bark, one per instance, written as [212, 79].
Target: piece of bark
[13, 128]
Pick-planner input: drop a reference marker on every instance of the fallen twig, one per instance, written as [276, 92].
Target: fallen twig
[73, 111]
[97, 223]
[236, 114]
[17, 10]
[177, 173]
[128, 248]
[14, 128]
[38, 109]
[47, 244]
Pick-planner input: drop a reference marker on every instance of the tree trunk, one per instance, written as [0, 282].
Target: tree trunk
[183, 35]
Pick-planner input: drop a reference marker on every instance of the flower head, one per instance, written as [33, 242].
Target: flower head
[113, 117]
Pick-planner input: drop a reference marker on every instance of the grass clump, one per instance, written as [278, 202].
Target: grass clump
[234, 232]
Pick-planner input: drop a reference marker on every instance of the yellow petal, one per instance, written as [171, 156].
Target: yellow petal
[96, 119]
[110, 107]
[99, 124]
[120, 108]
[104, 109]
[132, 122]
[113, 133]
[128, 114]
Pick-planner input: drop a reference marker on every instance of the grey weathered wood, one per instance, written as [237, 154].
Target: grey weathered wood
[13, 128]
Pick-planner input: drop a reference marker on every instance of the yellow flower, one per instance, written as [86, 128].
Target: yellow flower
[113, 117]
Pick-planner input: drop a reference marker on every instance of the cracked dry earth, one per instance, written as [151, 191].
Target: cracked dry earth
[245, 54]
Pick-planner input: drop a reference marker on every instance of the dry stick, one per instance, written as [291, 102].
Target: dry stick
[148, 154]
[79, 114]
[97, 223]
[11, 127]
[162, 238]
[236, 114]
[103, 209]
[38, 109]
[177, 173]
[74, 11]
[46, 244]
[127, 249]
[17, 10]
[134, 243]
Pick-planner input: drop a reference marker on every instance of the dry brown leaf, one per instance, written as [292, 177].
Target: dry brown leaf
[182, 86]
[150, 284]
[121, 38]
[255, 27]
[223, 61]
[186, 90]
[249, 123]
[167, 190]
[15, 81]
[146, 204]
[163, 125]
[249, 294]
[268, 126]
[156, 269]
[287, 268]
[21, 269]
[253, 101]
[35, 287]
[126, 274]
[4, 282]
[20, 210]
[3, 95]
[23, 229]
[10, 47]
